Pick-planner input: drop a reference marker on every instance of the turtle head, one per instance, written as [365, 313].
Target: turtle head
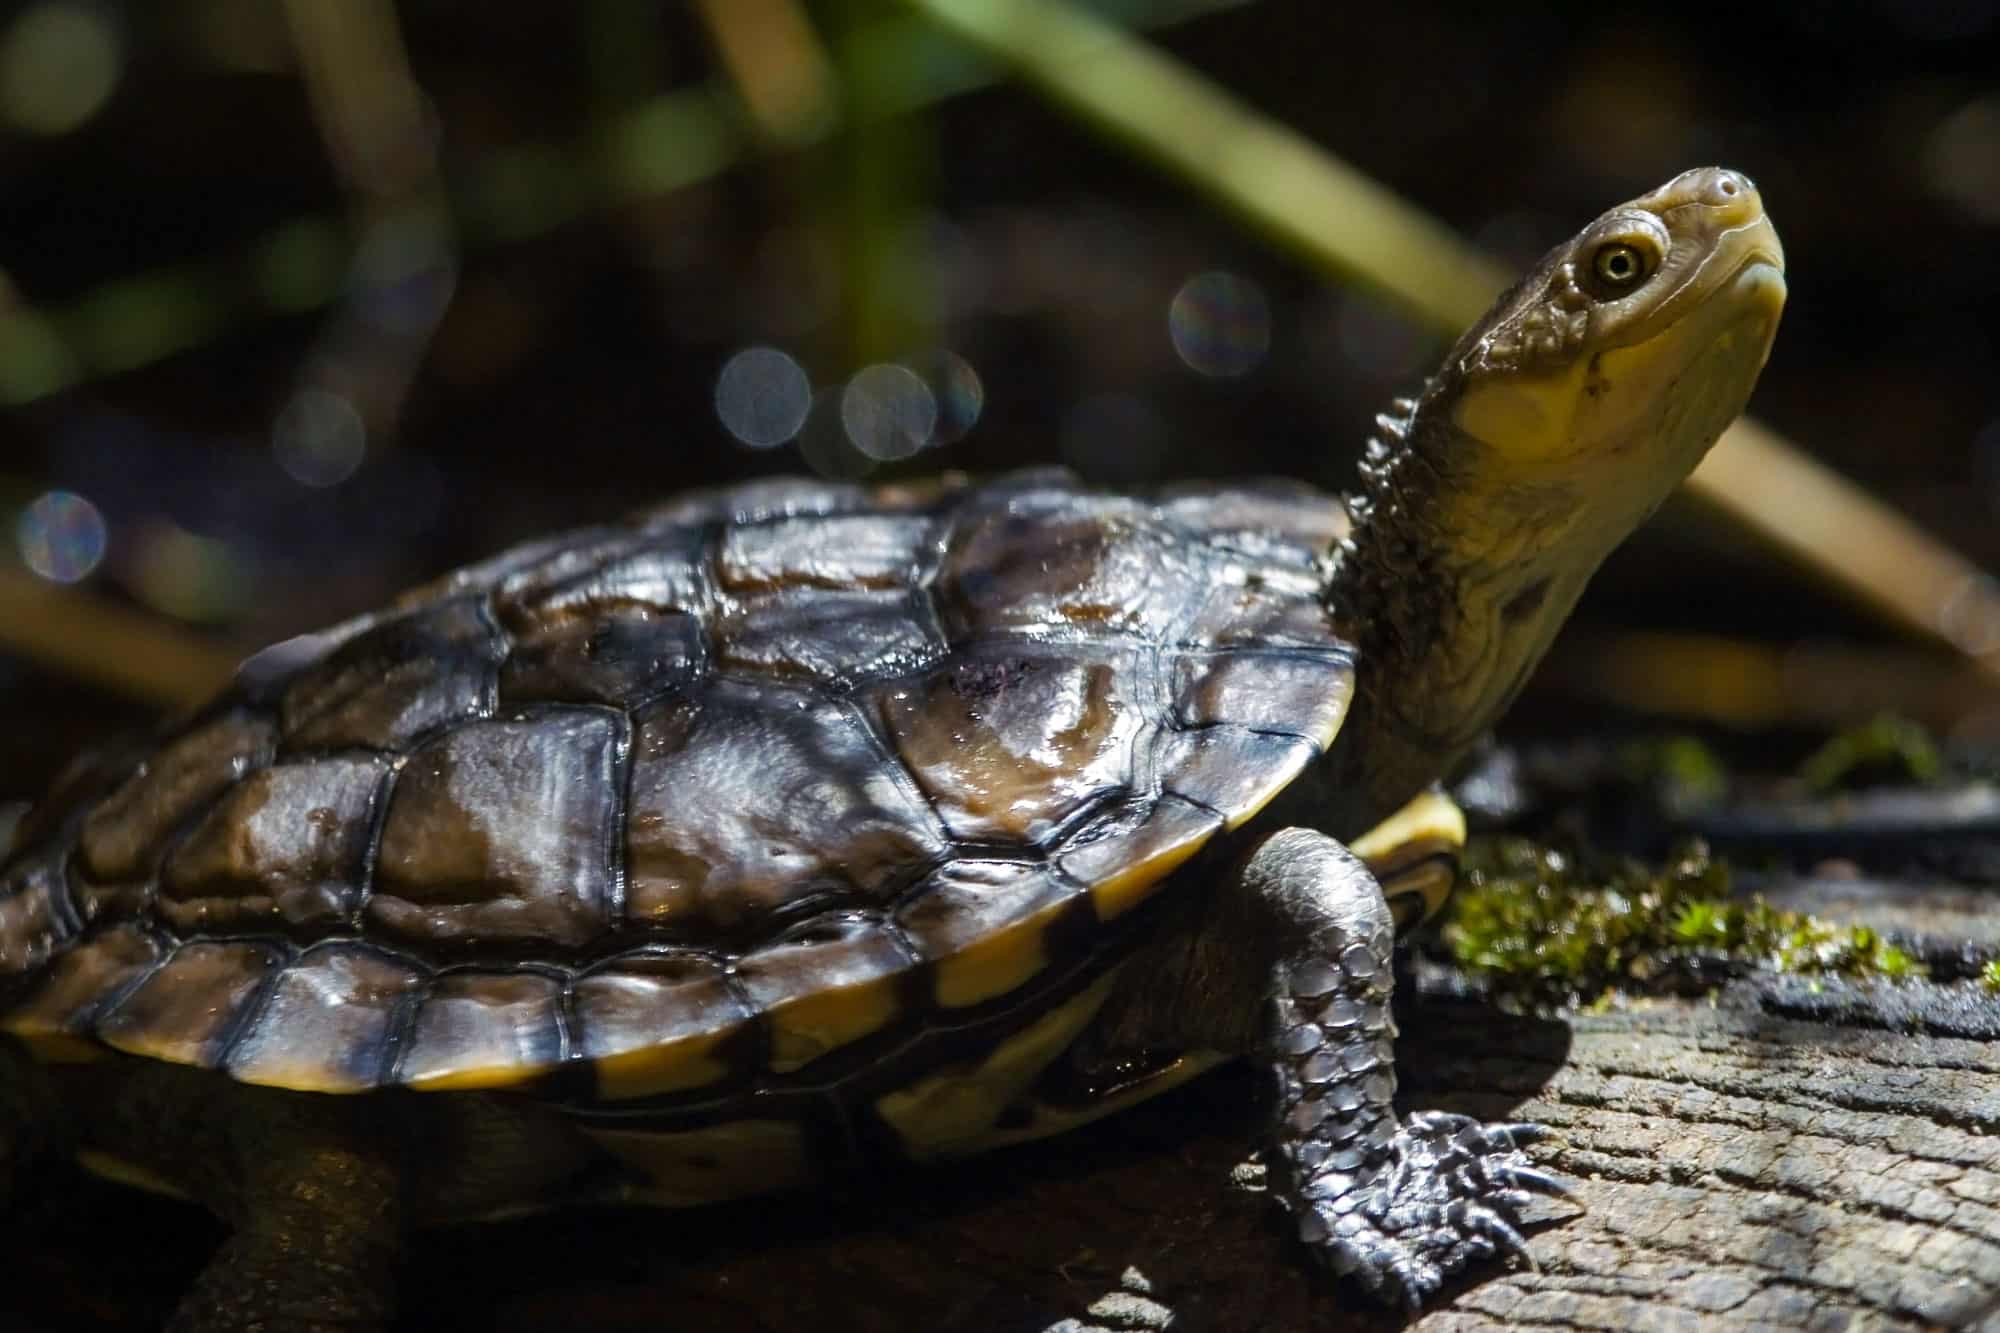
[1630, 346]
[1554, 427]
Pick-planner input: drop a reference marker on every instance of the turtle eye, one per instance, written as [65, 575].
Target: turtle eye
[1618, 267]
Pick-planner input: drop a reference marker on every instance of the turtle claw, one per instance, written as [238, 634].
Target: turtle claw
[1443, 1195]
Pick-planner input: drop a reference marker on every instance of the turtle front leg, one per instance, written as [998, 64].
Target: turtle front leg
[314, 1250]
[313, 1186]
[1303, 935]
[1398, 1204]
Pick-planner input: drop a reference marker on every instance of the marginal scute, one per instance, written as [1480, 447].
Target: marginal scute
[984, 926]
[185, 1011]
[502, 831]
[404, 677]
[831, 638]
[653, 1024]
[287, 846]
[483, 1030]
[843, 553]
[127, 832]
[1299, 694]
[747, 799]
[827, 983]
[1010, 739]
[56, 1016]
[329, 1023]
[1230, 770]
[1123, 860]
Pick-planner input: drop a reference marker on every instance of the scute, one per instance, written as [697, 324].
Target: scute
[188, 1008]
[502, 830]
[483, 1030]
[399, 680]
[328, 1022]
[748, 802]
[1010, 739]
[743, 796]
[286, 847]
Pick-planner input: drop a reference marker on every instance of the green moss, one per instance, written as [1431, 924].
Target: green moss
[1682, 773]
[1533, 920]
[1989, 975]
[1886, 750]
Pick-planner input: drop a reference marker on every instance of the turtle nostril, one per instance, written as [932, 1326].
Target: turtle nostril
[1728, 186]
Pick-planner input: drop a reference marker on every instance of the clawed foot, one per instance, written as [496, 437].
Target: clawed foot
[1445, 1196]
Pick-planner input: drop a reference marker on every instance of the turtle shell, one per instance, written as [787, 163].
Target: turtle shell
[748, 792]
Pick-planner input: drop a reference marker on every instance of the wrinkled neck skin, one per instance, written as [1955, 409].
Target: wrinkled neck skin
[1461, 568]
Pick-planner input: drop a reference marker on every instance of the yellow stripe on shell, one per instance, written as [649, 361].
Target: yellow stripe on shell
[995, 965]
[51, 1046]
[1046, 1121]
[805, 1028]
[953, 1111]
[653, 1071]
[474, 1080]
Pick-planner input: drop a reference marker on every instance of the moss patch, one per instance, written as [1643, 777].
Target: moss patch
[1546, 927]
[1885, 751]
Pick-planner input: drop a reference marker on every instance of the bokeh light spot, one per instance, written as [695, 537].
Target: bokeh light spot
[1220, 324]
[1962, 158]
[762, 397]
[62, 536]
[319, 438]
[888, 412]
[960, 395]
[58, 66]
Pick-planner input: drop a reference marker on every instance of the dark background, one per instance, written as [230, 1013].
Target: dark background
[546, 353]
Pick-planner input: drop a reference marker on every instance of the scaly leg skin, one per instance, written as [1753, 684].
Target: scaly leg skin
[1399, 1206]
[1289, 961]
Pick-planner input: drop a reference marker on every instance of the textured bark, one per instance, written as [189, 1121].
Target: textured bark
[1776, 1158]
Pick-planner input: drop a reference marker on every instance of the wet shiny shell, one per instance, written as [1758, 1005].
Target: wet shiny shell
[753, 789]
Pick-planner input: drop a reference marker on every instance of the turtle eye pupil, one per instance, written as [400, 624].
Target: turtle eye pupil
[1619, 266]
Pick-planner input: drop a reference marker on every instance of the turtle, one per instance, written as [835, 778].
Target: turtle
[796, 827]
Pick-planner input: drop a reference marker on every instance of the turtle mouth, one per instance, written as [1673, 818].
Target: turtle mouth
[1759, 282]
